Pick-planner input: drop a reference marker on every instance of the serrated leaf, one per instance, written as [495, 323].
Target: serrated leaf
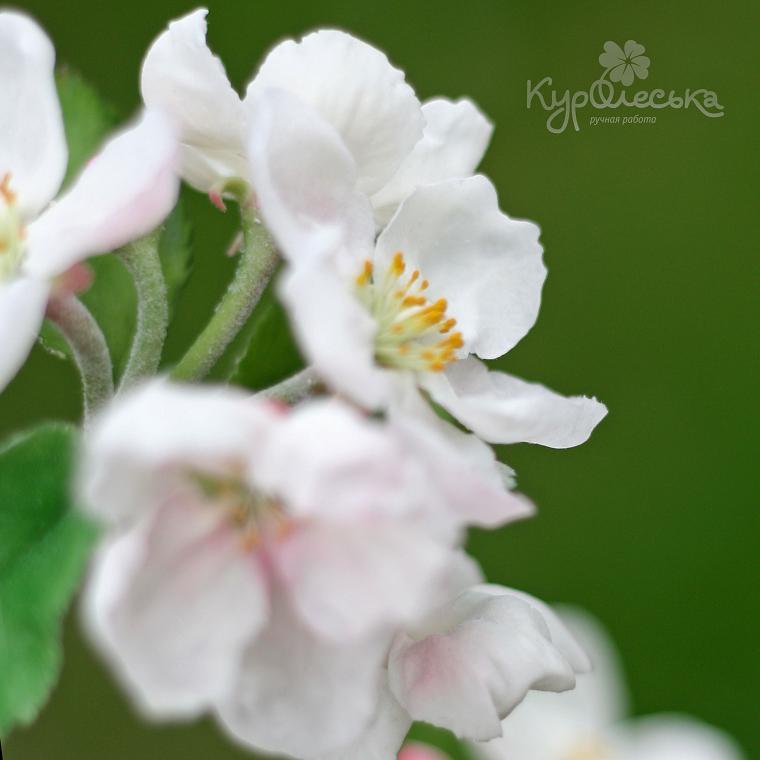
[87, 120]
[271, 354]
[44, 545]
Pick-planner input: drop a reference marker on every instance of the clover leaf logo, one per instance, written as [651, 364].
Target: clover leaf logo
[626, 63]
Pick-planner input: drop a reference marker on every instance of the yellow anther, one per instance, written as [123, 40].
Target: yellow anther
[366, 273]
[414, 301]
[397, 264]
[5, 190]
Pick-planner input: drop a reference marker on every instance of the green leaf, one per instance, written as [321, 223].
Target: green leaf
[87, 120]
[270, 353]
[44, 545]
[175, 248]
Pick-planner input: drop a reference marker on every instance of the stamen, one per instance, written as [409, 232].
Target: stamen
[409, 325]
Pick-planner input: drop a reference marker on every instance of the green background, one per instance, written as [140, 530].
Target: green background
[651, 304]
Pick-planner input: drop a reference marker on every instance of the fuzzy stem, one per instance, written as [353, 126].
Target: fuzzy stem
[295, 388]
[142, 260]
[256, 266]
[84, 336]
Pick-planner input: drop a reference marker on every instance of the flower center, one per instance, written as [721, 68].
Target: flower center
[257, 516]
[412, 332]
[12, 233]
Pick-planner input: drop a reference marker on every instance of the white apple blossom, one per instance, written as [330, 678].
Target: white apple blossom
[122, 194]
[467, 664]
[396, 143]
[449, 281]
[258, 561]
[589, 722]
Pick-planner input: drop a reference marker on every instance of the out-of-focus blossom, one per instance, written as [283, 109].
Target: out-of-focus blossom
[589, 722]
[123, 193]
[373, 114]
[258, 562]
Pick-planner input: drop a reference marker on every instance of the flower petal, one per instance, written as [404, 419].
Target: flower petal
[384, 735]
[354, 87]
[300, 695]
[461, 469]
[501, 408]
[172, 604]
[22, 309]
[335, 332]
[184, 79]
[348, 580]
[32, 140]
[306, 180]
[676, 737]
[631, 49]
[348, 466]
[487, 266]
[124, 192]
[477, 660]
[455, 138]
[143, 447]
[421, 752]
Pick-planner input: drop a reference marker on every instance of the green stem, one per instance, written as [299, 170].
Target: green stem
[89, 347]
[142, 260]
[256, 266]
[294, 389]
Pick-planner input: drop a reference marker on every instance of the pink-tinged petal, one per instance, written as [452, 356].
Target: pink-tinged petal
[124, 192]
[305, 180]
[335, 332]
[22, 309]
[301, 695]
[674, 737]
[172, 605]
[32, 141]
[475, 660]
[185, 80]
[328, 461]
[354, 88]
[347, 580]
[487, 266]
[501, 408]
[545, 726]
[473, 487]
[383, 737]
[420, 752]
[147, 445]
[455, 138]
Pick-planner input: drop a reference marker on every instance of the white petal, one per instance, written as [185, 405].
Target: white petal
[124, 192]
[348, 466]
[144, 446]
[22, 309]
[461, 468]
[349, 579]
[501, 408]
[306, 180]
[182, 77]
[486, 265]
[335, 332]
[676, 737]
[355, 88]
[32, 140]
[455, 138]
[172, 604]
[384, 735]
[476, 661]
[300, 695]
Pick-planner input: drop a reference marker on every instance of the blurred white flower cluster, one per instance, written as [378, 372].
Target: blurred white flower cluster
[293, 562]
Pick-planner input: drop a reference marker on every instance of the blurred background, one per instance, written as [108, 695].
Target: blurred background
[651, 304]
